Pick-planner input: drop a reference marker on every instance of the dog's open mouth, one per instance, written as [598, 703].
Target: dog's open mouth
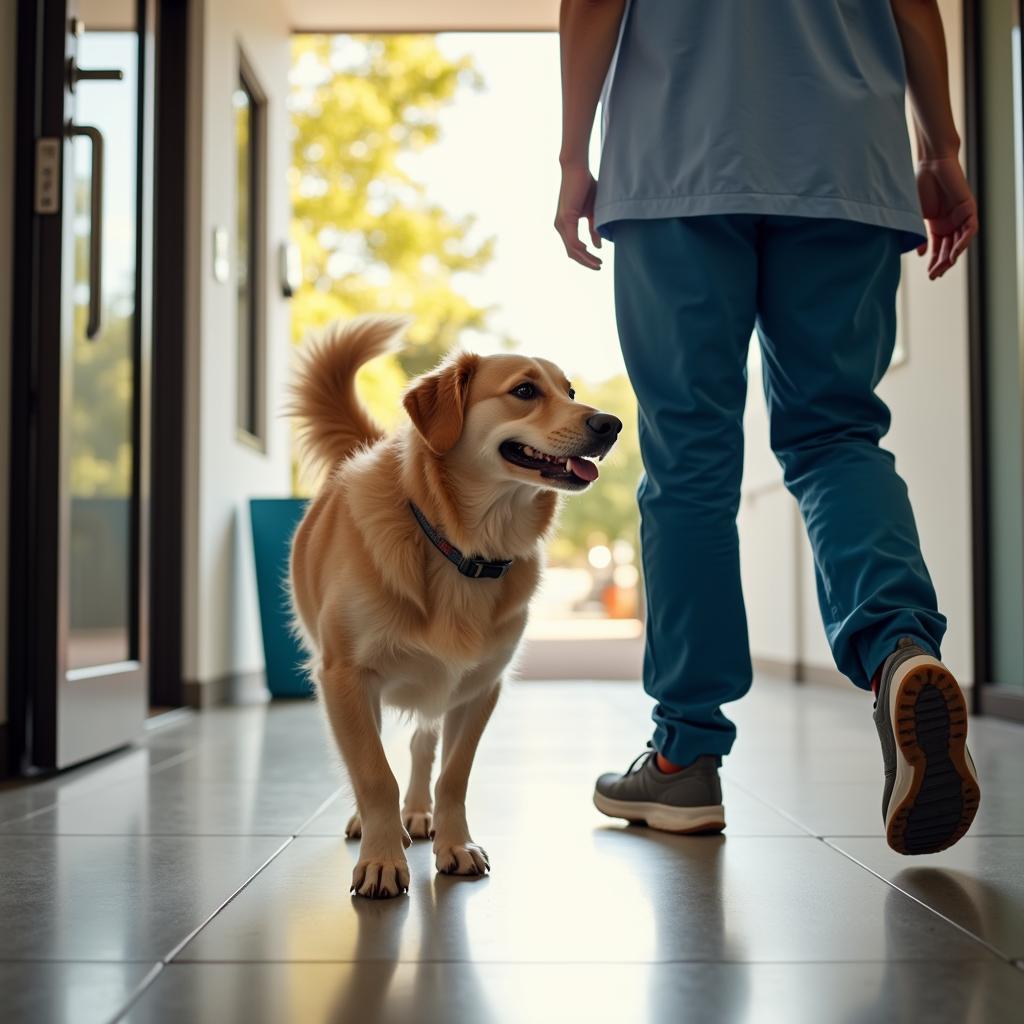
[573, 470]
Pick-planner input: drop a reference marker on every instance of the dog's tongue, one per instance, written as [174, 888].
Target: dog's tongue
[584, 469]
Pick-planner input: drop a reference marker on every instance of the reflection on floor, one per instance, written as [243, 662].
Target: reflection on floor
[203, 876]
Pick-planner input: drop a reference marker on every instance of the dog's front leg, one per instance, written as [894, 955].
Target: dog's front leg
[454, 849]
[382, 869]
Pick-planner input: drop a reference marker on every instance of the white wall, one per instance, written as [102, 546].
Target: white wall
[8, 65]
[930, 439]
[222, 471]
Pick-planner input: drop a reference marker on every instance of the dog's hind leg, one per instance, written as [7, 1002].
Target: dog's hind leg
[454, 849]
[416, 812]
[382, 869]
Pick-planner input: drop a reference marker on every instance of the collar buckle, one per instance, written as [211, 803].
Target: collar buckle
[471, 567]
[477, 568]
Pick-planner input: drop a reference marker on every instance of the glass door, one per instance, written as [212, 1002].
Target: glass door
[999, 295]
[89, 691]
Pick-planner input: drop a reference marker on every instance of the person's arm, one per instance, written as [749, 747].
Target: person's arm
[946, 199]
[588, 31]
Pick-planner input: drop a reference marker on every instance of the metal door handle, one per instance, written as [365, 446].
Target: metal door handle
[77, 74]
[95, 137]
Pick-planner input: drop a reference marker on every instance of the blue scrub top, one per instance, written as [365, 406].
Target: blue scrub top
[793, 107]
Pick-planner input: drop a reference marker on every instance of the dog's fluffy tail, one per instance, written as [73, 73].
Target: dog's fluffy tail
[332, 421]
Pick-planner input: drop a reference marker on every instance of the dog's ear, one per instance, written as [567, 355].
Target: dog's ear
[436, 402]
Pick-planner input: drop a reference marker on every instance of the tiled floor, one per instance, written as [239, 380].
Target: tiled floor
[204, 877]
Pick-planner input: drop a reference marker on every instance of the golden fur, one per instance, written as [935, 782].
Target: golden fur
[385, 617]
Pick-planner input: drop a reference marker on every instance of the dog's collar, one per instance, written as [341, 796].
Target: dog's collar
[474, 568]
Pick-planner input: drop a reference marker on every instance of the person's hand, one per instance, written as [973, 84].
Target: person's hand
[576, 202]
[950, 210]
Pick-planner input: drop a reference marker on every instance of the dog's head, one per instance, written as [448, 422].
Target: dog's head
[513, 418]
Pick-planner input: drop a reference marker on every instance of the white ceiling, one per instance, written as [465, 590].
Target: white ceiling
[420, 15]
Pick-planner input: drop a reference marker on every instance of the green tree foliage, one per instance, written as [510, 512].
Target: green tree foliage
[102, 389]
[607, 511]
[371, 239]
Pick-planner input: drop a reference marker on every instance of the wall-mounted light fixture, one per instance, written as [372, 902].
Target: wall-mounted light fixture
[290, 265]
[221, 255]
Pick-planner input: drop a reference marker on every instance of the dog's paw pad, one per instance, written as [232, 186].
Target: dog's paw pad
[462, 859]
[354, 828]
[380, 879]
[419, 824]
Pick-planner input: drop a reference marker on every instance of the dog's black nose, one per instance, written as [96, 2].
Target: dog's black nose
[604, 425]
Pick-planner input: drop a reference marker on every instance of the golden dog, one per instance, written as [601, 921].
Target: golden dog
[413, 568]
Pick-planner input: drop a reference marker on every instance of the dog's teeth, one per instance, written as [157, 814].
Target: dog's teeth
[527, 450]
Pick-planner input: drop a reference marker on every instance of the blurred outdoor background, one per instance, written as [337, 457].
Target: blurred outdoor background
[424, 176]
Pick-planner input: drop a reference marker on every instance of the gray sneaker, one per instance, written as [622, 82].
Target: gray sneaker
[931, 785]
[685, 801]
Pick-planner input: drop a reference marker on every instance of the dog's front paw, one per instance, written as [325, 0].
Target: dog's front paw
[380, 878]
[419, 824]
[465, 858]
[354, 828]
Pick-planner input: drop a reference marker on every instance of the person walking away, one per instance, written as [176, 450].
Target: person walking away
[756, 172]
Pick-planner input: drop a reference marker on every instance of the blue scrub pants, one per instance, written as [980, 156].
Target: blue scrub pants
[821, 293]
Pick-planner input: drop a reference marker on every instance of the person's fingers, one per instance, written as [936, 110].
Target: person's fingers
[963, 238]
[567, 226]
[595, 238]
[941, 263]
[947, 252]
[922, 249]
[935, 265]
[933, 251]
[577, 251]
[583, 256]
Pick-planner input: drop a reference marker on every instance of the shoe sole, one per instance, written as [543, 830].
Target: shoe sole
[935, 794]
[664, 817]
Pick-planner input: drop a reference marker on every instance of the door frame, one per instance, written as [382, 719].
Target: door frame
[170, 348]
[989, 697]
[34, 504]
[35, 599]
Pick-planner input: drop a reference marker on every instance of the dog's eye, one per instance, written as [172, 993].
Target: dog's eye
[524, 391]
[572, 394]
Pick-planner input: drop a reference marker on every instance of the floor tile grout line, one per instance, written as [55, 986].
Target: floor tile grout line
[9, 827]
[1005, 957]
[185, 961]
[323, 807]
[283, 834]
[170, 762]
[767, 803]
[103, 961]
[824, 840]
[989, 959]
[170, 720]
[173, 762]
[147, 979]
[881, 835]
[169, 957]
